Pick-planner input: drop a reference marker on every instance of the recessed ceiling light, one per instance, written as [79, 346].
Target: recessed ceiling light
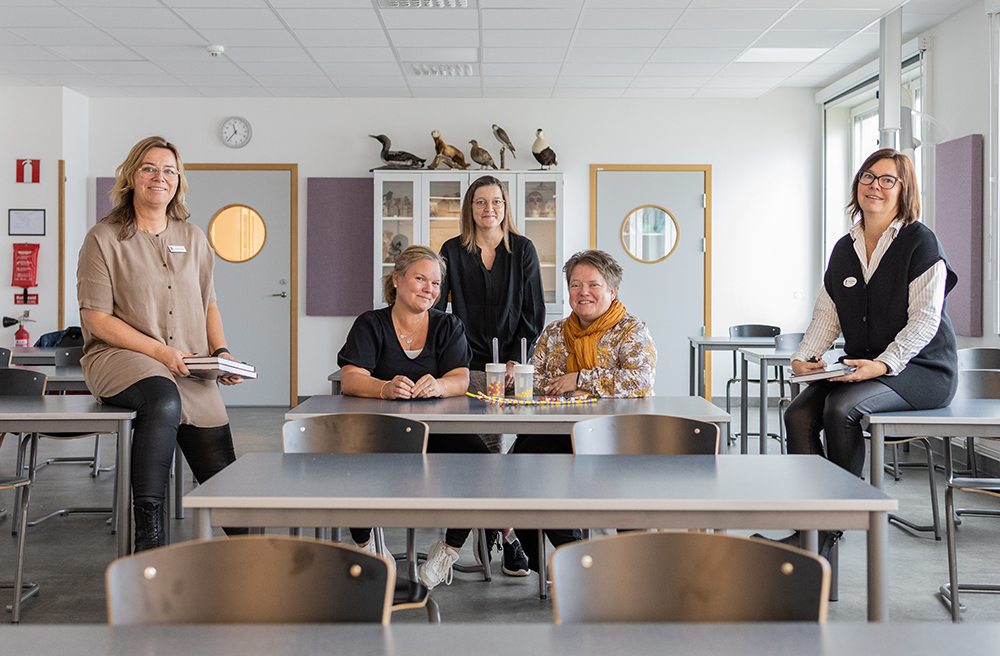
[437, 69]
[803, 55]
[429, 4]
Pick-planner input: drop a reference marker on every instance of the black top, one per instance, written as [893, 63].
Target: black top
[505, 302]
[872, 314]
[372, 344]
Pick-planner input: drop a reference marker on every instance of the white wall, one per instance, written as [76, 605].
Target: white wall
[765, 155]
[76, 146]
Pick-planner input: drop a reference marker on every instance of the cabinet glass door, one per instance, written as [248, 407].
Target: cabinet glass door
[541, 204]
[397, 220]
[444, 209]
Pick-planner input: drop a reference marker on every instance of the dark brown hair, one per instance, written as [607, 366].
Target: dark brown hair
[123, 193]
[468, 234]
[908, 206]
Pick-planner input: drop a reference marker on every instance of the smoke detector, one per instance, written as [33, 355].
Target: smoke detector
[215, 51]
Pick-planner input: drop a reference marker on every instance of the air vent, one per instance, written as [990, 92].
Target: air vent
[427, 4]
[441, 70]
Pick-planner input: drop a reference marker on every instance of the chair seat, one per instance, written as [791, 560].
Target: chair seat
[409, 594]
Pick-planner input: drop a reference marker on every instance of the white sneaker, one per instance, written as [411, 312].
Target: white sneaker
[437, 568]
[369, 546]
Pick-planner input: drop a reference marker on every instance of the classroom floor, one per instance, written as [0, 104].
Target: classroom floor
[68, 555]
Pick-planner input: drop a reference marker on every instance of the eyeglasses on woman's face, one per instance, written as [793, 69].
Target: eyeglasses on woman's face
[481, 203]
[884, 181]
[151, 172]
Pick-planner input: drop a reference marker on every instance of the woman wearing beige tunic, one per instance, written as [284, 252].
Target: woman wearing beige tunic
[144, 284]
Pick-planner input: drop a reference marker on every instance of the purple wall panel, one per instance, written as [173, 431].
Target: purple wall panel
[339, 256]
[104, 186]
[958, 217]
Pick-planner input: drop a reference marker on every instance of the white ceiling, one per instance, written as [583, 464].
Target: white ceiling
[514, 48]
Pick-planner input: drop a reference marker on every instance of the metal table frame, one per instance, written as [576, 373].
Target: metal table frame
[699, 344]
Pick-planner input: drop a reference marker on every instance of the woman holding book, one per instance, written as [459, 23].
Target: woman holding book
[885, 289]
[147, 300]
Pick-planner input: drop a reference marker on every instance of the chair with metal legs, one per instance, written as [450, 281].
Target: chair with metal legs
[20, 382]
[749, 330]
[370, 433]
[972, 384]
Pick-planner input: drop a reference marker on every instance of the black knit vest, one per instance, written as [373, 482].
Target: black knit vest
[872, 314]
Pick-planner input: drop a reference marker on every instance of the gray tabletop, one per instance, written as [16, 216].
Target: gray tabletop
[61, 378]
[764, 639]
[33, 355]
[462, 414]
[700, 344]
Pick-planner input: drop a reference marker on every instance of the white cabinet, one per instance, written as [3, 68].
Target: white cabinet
[425, 207]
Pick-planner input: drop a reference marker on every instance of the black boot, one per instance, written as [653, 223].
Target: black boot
[827, 540]
[149, 525]
[793, 540]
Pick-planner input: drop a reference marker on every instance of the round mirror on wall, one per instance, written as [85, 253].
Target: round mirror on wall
[650, 233]
[237, 233]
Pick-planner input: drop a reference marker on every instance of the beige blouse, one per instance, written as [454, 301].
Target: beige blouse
[161, 285]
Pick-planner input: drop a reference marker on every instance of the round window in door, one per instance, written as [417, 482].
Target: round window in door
[237, 233]
[650, 233]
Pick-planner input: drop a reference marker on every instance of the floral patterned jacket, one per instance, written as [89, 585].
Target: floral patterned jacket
[626, 358]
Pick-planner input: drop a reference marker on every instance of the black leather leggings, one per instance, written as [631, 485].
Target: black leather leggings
[157, 430]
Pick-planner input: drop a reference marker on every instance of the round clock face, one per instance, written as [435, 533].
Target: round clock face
[236, 132]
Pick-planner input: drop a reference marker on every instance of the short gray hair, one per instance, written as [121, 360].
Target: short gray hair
[606, 265]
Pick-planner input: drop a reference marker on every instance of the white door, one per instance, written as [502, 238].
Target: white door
[669, 295]
[255, 296]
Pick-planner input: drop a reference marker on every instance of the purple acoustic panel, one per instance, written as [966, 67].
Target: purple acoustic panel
[339, 255]
[104, 186]
[958, 219]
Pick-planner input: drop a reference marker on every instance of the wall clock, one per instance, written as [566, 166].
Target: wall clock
[236, 132]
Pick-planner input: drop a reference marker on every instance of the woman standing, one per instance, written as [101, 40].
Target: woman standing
[147, 300]
[496, 290]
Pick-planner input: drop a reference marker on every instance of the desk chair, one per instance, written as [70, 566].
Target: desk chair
[687, 577]
[20, 382]
[975, 358]
[370, 433]
[635, 435]
[972, 384]
[5, 355]
[749, 330]
[250, 580]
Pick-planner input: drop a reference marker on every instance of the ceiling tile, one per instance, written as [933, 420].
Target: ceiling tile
[322, 19]
[361, 68]
[806, 81]
[281, 68]
[679, 81]
[730, 93]
[194, 53]
[252, 54]
[848, 56]
[601, 68]
[10, 80]
[62, 79]
[548, 81]
[374, 55]
[294, 80]
[217, 80]
[54, 67]
[633, 92]
[882, 6]
[710, 38]
[170, 92]
[466, 92]
[618, 38]
[339, 4]
[727, 19]
[442, 19]
[507, 19]
[39, 17]
[828, 19]
[342, 38]
[523, 70]
[396, 82]
[763, 69]
[516, 55]
[213, 67]
[449, 81]
[161, 80]
[681, 68]
[540, 4]
[225, 19]
[594, 82]
[105, 3]
[742, 4]
[514, 92]
[105, 53]
[527, 38]
[132, 17]
[26, 53]
[258, 38]
[802, 38]
[637, 4]
[155, 37]
[316, 92]
[687, 55]
[372, 92]
[732, 82]
[434, 38]
[634, 19]
[64, 36]
[568, 92]
[614, 55]
[121, 67]
[438, 54]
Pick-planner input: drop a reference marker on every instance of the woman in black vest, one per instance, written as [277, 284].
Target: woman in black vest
[885, 289]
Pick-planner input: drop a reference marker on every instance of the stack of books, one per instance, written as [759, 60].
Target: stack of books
[210, 367]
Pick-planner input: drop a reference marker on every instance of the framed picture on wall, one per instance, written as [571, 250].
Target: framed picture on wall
[26, 222]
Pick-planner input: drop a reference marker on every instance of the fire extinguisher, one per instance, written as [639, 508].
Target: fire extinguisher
[21, 337]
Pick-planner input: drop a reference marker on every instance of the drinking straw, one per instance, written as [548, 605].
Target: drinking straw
[496, 350]
[524, 350]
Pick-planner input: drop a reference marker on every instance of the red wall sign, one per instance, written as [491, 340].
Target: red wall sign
[28, 170]
[19, 299]
[25, 265]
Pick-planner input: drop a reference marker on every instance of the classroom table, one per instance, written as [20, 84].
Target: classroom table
[551, 490]
[700, 344]
[34, 355]
[59, 379]
[758, 639]
[464, 414]
[66, 414]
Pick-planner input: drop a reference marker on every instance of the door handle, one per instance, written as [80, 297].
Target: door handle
[282, 294]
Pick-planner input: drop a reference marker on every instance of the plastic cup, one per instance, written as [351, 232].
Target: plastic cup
[495, 379]
[524, 378]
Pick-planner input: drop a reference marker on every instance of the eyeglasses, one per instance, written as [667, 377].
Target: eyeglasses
[482, 203]
[151, 172]
[884, 181]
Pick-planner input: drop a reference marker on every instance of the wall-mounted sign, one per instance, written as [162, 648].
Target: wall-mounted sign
[28, 170]
[25, 266]
[26, 222]
[25, 299]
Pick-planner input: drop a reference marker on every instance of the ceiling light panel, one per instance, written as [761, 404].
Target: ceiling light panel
[427, 4]
[457, 19]
[441, 69]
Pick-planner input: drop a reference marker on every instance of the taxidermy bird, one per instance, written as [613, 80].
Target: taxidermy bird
[397, 159]
[504, 140]
[481, 156]
[445, 150]
[542, 151]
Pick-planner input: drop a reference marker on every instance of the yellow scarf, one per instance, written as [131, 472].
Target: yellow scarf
[582, 344]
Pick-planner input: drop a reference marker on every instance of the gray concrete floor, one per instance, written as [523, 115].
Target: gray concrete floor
[68, 555]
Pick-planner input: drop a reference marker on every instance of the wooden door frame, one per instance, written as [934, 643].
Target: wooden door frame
[706, 169]
[293, 170]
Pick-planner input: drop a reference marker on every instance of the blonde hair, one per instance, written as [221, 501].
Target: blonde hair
[468, 224]
[404, 261]
[123, 193]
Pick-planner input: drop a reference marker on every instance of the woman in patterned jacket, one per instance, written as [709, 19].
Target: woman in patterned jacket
[599, 350]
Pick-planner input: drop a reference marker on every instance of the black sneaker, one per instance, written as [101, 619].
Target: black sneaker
[515, 563]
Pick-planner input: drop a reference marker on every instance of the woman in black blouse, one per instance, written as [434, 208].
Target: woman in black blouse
[410, 350]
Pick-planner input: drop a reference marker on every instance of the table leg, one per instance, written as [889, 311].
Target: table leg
[203, 517]
[810, 541]
[178, 483]
[744, 388]
[762, 421]
[701, 370]
[878, 578]
[691, 375]
[123, 480]
[878, 455]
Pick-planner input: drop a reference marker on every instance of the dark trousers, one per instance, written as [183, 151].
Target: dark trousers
[837, 409]
[543, 444]
[459, 443]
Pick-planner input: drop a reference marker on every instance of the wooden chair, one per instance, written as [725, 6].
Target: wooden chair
[749, 330]
[687, 577]
[21, 382]
[370, 433]
[250, 580]
[972, 384]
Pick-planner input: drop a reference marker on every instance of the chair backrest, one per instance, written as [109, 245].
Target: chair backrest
[979, 384]
[788, 341]
[753, 330]
[979, 358]
[687, 577]
[250, 579]
[21, 382]
[355, 432]
[69, 356]
[5, 355]
[645, 435]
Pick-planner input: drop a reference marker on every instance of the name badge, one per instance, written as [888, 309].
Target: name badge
[177, 249]
[850, 281]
